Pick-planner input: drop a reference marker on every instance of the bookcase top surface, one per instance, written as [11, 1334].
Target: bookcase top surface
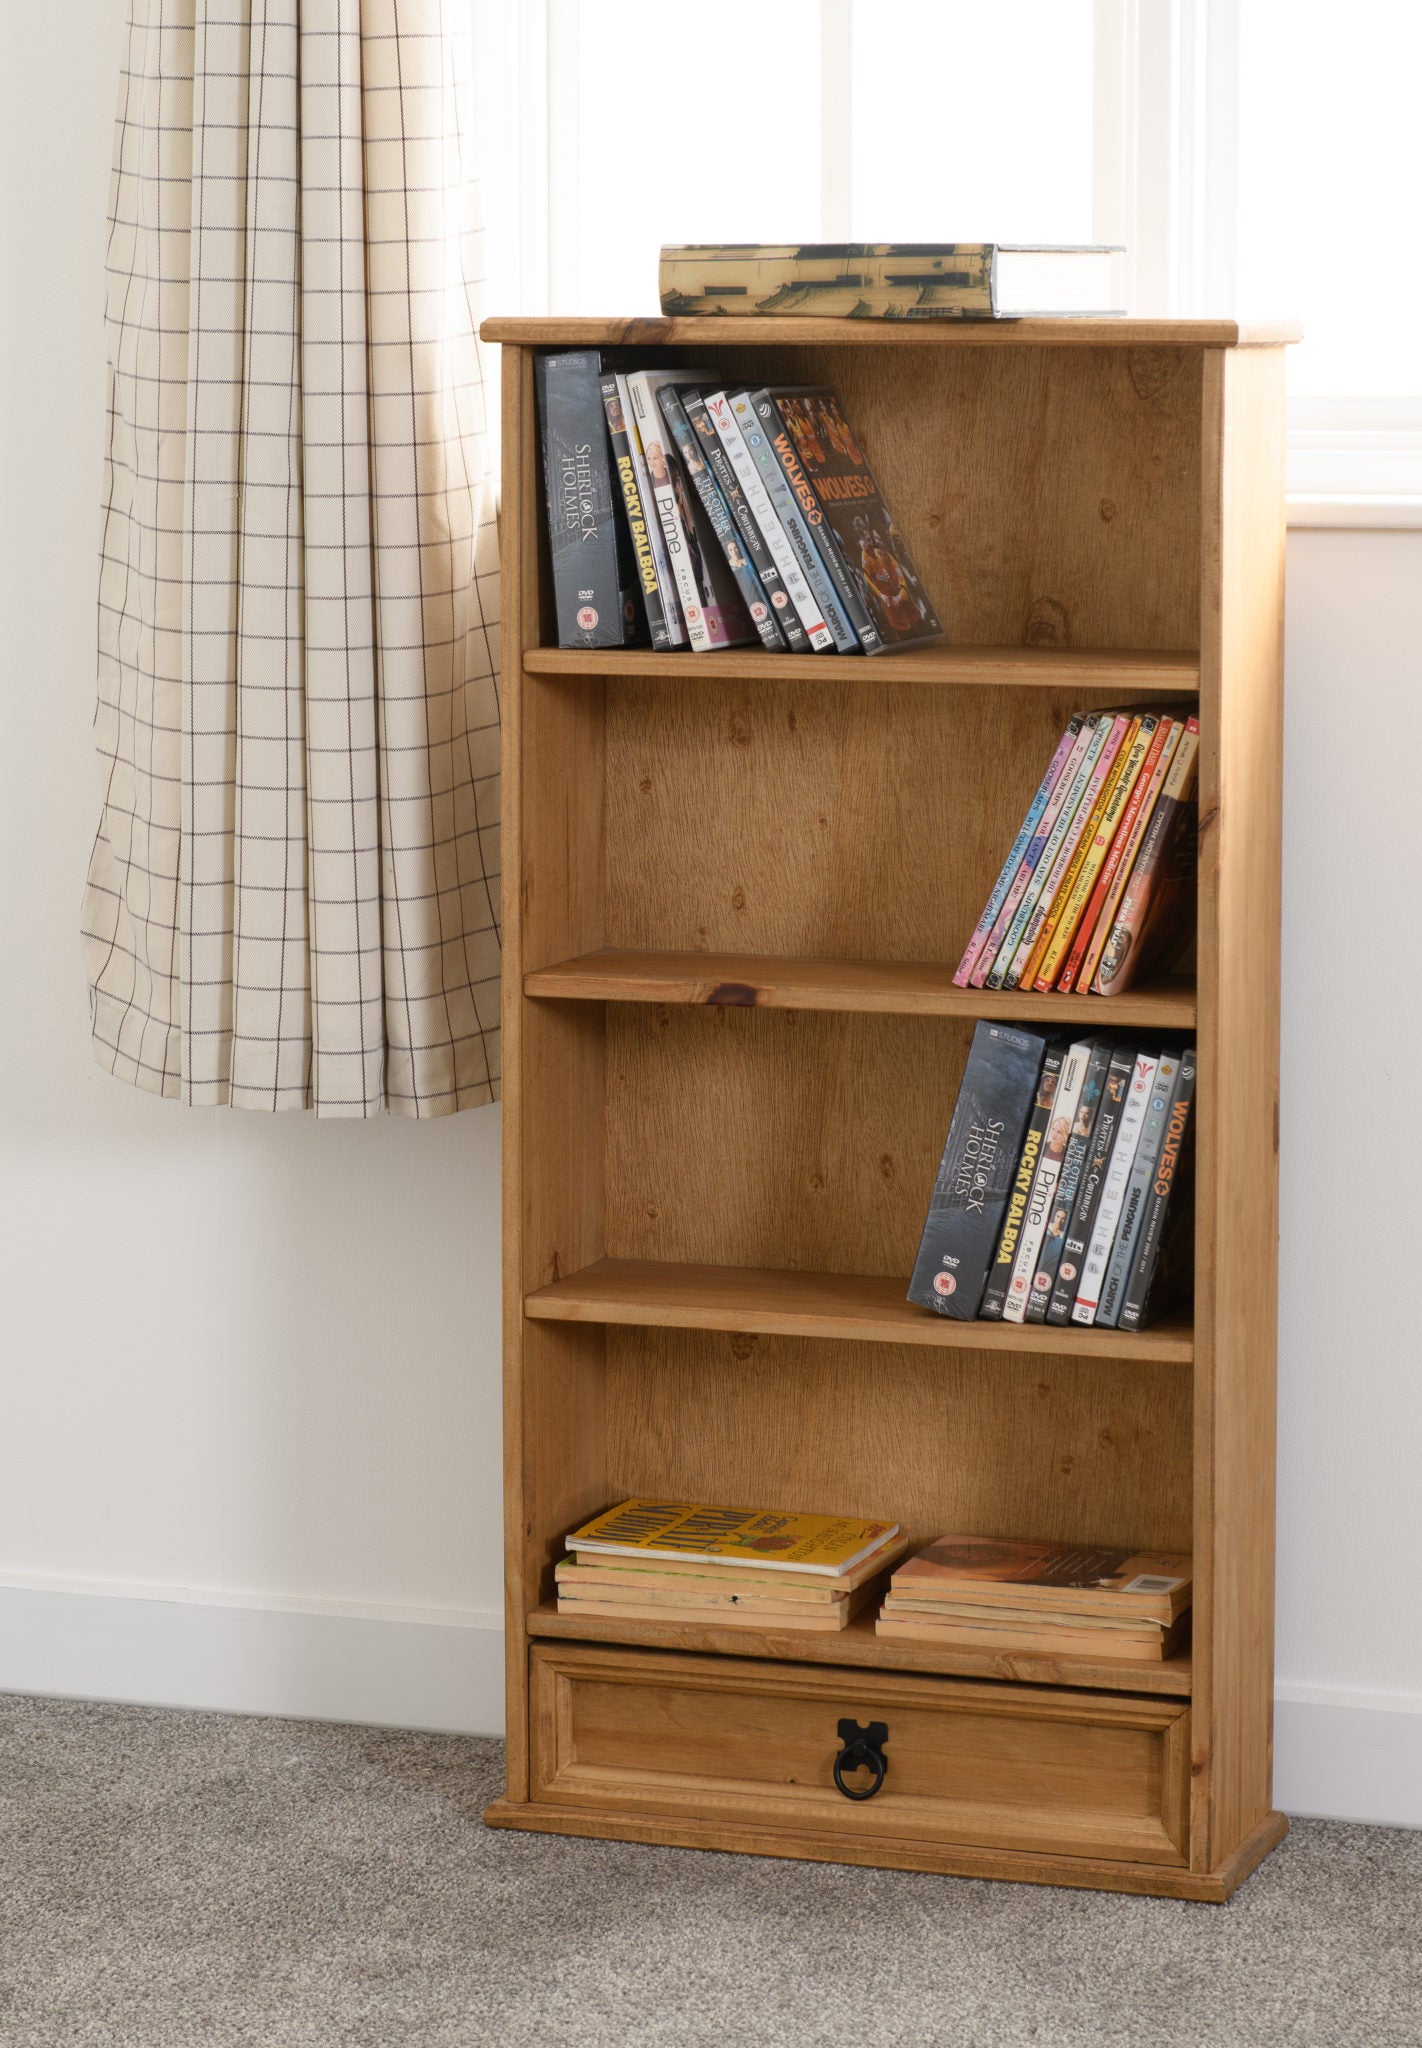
[789, 332]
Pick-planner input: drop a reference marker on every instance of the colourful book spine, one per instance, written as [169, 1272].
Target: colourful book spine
[1003, 943]
[1091, 856]
[1035, 812]
[1124, 947]
[1031, 944]
[1117, 872]
[1114, 755]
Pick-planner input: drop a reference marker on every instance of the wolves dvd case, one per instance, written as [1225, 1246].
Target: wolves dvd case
[975, 1176]
[594, 575]
[862, 534]
[1128, 1229]
[768, 405]
[752, 539]
[718, 514]
[1079, 1230]
[728, 431]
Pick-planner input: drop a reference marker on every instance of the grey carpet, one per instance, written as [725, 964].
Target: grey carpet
[174, 1880]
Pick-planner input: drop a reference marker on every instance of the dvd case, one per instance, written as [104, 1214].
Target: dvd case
[1029, 1281]
[718, 514]
[975, 1175]
[787, 454]
[673, 508]
[757, 431]
[1015, 1216]
[1123, 1251]
[1082, 1124]
[666, 582]
[594, 577]
[1138, 1298]
[860, 532]
[752, 539]
[1093, 1174]
[637, 518]
[1113, 1192]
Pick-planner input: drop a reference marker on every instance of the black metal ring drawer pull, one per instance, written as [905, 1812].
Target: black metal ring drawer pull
[863, 1750]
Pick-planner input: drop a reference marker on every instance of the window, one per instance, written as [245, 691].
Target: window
[1250, 156]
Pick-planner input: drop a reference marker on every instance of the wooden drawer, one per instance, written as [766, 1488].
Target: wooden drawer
[751, 1743]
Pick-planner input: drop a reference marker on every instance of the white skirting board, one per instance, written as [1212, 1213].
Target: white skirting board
[1339, 1754]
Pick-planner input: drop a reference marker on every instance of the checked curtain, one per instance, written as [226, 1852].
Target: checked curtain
[292, 899]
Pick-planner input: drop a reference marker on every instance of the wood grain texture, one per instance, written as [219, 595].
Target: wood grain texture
[1024, 668]
[859, 1646]
[887, 1852]
[905, 988]
[1241, 716]
[852, 821]
[1088, 1450]
[857, 1306]
[740, 1740]
[655, 331]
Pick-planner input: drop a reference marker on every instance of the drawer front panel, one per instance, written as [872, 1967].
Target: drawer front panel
[723, 1738]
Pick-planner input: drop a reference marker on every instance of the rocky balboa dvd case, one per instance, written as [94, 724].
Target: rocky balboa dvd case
[879, 578]
[975, 1176]
[594, 575]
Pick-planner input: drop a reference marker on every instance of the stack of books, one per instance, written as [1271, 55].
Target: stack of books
[1097, 885]
[891, 280]
[742, 1567]
[1044, 1599]
[688, 513]
[1055, 1200]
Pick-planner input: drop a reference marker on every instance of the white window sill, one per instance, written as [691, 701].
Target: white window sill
[1375, 512]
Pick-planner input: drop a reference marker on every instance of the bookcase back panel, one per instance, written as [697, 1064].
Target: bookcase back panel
[1069, 1449]
[855, 819]
[783, 1138]
[1050, 496]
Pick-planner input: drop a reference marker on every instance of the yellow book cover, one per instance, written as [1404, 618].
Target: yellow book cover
[1094, 848]
[1046, 938]
[827, 1544]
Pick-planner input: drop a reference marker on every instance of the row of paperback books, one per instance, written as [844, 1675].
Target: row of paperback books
[1055, 1200]
[1097, 885]
[686, 513]
[675, 1562]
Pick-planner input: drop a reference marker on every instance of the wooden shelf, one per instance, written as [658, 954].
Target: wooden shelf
[907, 988]
[1035, 668]
[791, 331]
[858, 1307]
[858, 1645]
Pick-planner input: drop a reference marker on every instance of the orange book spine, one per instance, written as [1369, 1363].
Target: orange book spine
[1109, 867]
[1047, 936]
[1101, 911]
[1132, 758]
[1122, 956]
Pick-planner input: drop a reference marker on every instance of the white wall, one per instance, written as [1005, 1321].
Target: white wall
[248, 1366]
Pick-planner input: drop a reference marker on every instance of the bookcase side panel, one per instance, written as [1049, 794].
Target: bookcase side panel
[1237, 1137]
[553, 1098]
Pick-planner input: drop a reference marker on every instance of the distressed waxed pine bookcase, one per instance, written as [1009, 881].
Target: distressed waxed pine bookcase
[736, 887]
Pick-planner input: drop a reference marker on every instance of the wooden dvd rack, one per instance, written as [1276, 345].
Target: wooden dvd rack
[736, 886]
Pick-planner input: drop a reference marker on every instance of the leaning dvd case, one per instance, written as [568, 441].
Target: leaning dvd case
[759, 422]
[752, 539]
[975, 1175]
[723, 527]
[862, 535]
[638, 527]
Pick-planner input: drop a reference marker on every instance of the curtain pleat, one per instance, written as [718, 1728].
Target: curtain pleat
[293, 894]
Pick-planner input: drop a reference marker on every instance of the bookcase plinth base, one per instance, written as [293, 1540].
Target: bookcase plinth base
[1208, 1887]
